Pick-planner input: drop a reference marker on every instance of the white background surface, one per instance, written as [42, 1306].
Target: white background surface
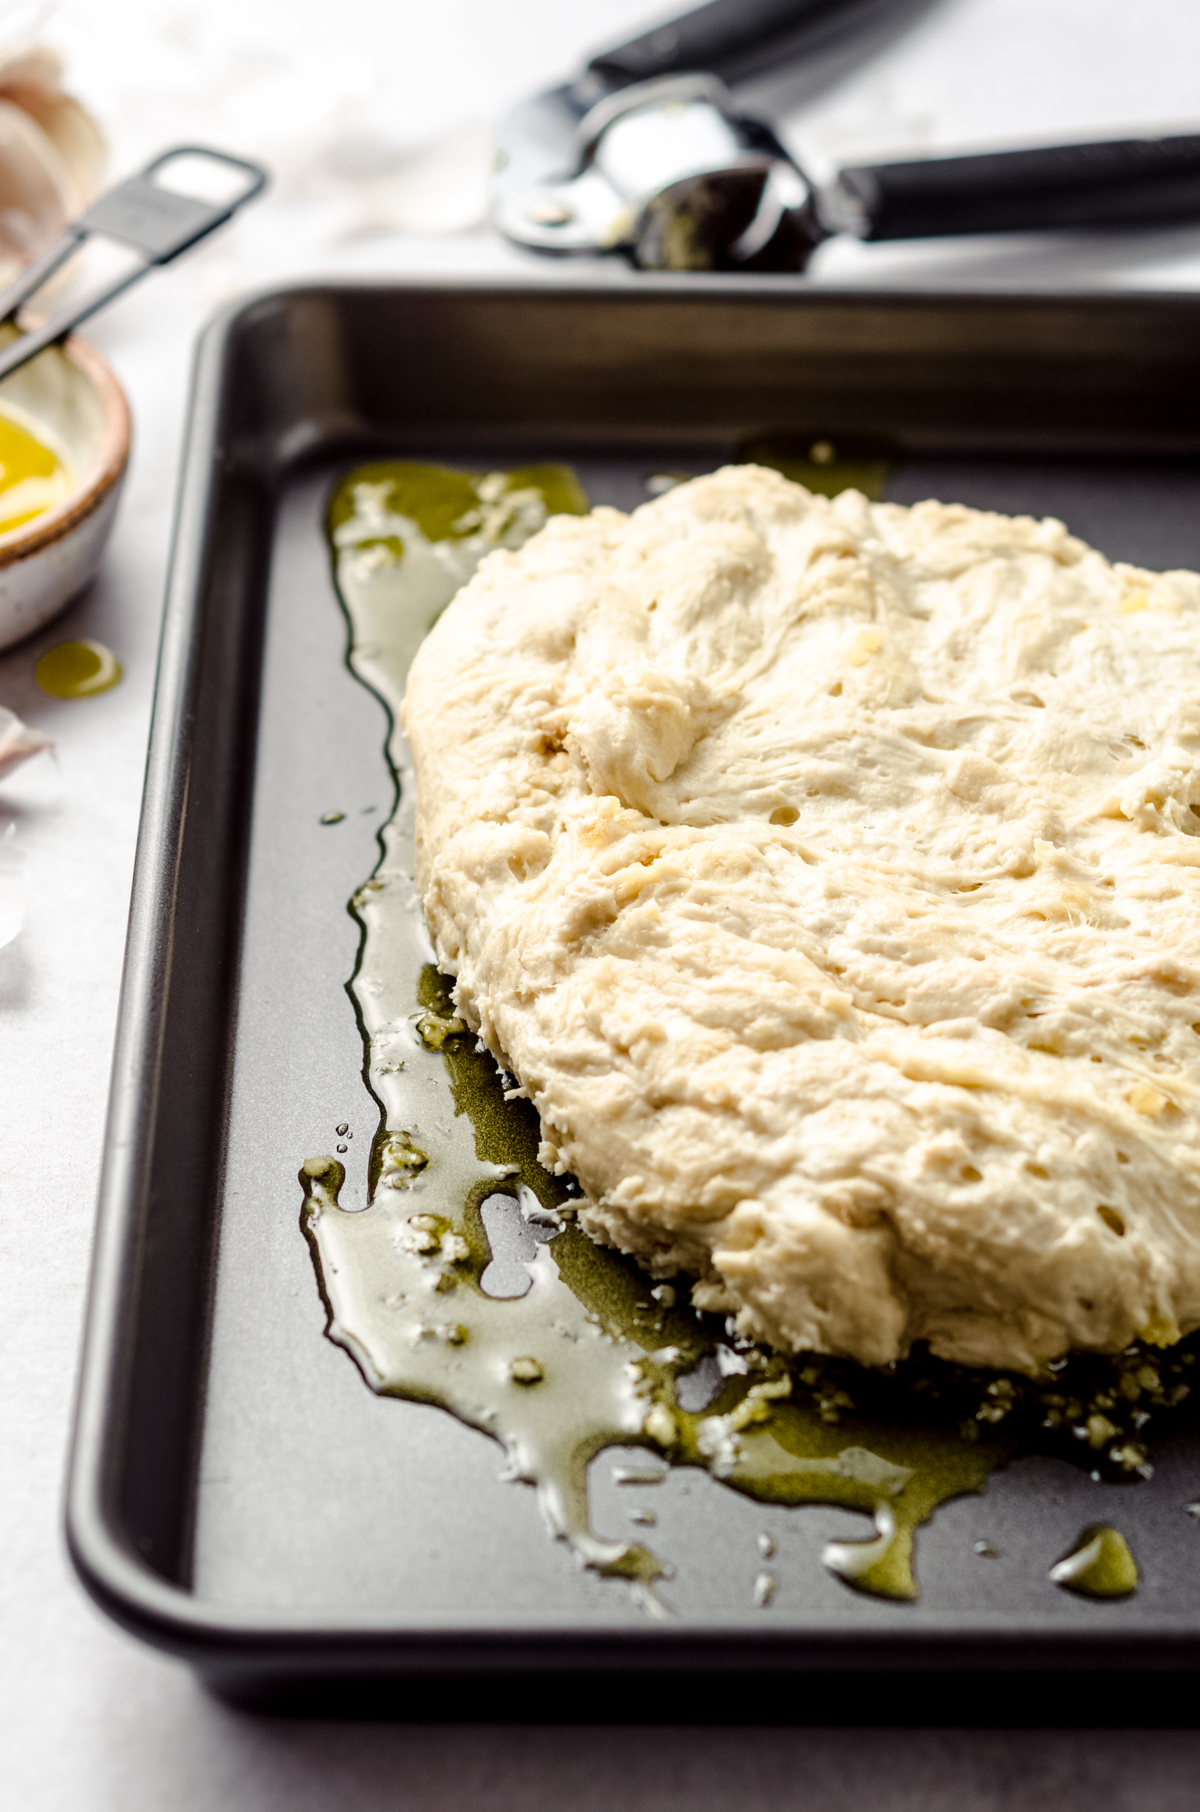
[374, 115]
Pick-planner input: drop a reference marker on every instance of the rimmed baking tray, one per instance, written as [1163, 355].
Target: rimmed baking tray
[236, 1494]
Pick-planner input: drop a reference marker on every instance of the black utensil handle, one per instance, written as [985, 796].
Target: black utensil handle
[728, 38]
[1118, 182]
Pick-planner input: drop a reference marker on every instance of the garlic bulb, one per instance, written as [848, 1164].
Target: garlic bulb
[52, 155]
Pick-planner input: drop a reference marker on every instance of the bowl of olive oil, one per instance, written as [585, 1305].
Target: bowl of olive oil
[64, 446]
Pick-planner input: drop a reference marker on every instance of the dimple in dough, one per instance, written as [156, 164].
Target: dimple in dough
[827, 873]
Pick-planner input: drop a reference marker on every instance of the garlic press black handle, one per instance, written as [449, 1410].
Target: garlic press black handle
[1114, 183]
[727, 38]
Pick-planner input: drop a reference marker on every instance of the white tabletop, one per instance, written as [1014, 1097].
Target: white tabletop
[375, 119]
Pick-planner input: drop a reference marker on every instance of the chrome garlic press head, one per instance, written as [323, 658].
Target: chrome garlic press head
[666, 170]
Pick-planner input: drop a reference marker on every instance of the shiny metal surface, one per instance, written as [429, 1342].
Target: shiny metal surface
[667, 170]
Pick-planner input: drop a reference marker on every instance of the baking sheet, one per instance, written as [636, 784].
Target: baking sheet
[238, 1494]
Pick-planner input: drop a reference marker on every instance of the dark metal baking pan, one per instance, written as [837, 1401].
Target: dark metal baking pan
[237, 1495]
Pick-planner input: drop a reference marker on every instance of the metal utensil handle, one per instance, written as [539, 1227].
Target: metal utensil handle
[1119, 182]
[161, 222]
[156, 222]
[729, 38]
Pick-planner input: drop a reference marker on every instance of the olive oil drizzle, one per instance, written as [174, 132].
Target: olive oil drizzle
[466, 1282]
[33, 478]
[403, 1282]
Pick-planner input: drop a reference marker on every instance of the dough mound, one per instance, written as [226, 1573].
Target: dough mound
[827, 874]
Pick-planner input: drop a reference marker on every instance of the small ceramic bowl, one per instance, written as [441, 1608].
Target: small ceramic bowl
[71, 395]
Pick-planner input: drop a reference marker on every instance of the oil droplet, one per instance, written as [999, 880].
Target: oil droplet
[1100, 1564]
[879, 1566]
[986, 1551]
[767, 1546]
[1192, 1509]
[526, 1371]
[332, 817]
[77, 670]
[343, 1148]
[343, 1129]
[765, 1587]
[647, 1518]
[32, 477]
[638, 1475]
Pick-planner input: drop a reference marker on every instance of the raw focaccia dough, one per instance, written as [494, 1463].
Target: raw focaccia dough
[827, 873]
